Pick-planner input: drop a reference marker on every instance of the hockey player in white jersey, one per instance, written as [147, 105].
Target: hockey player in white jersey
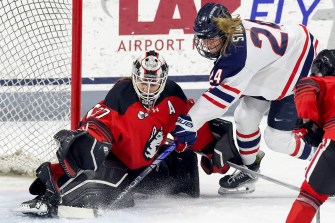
[259, 63]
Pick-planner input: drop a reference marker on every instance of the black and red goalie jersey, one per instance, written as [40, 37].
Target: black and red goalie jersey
[136, 133]
[315, 100]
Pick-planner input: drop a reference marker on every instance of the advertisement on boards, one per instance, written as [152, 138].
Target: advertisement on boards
[116, 32]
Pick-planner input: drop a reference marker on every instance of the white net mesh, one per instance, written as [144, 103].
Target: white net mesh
[35, 76]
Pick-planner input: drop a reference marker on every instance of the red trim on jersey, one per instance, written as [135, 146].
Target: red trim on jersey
[297, 65]
[242, 152]
[316, 46]
[235, 90]
[297, 146]
[214, 101]
[247, 135]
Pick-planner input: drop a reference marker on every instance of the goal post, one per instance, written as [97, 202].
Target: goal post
[77, 20]
[40, 79]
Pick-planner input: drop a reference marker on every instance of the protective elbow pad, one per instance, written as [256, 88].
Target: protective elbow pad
[79, 150]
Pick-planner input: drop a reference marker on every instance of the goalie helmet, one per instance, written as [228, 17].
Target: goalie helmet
[324, 63]
[205, 28]
[149, 77]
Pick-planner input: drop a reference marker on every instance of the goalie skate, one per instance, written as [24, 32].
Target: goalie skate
[37, 207]
[240, 182]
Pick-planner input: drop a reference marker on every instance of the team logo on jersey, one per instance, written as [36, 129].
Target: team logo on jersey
[142, 115]
[152, 145]
[155, 109]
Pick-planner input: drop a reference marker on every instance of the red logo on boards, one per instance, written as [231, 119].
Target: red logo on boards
[164, 21]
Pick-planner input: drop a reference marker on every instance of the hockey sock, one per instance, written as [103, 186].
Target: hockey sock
[301, 212]
[306, 205]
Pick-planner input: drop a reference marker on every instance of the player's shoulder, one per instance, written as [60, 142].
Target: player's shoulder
[312, 82]
[172, 89]
[121, 96]
[234, 59]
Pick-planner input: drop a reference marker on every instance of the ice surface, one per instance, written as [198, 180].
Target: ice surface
[270, 203]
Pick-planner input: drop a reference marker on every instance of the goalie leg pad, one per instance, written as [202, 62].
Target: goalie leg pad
[177, 173]
[79, 150]
[98, 189]
[184, 172]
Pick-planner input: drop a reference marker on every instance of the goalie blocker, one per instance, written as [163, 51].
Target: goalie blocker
[215, 155]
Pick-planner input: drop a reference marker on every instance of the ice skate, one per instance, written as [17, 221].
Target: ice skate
[240, 182]
[39, 207]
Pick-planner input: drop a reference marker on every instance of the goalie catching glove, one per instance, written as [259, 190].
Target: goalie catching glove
[79, 150]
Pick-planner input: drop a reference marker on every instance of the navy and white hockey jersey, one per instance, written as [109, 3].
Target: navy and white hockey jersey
[267, 61]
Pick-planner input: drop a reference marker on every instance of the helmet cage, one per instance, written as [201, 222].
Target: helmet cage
[212, 52]
[151, 71]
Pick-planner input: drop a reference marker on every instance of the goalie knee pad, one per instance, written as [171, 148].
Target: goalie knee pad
[79, 150]
[98, 189]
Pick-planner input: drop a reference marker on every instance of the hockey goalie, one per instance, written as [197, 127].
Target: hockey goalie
[117, 139]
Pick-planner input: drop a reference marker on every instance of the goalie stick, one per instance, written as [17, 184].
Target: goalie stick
[246, 170]
[143, 174]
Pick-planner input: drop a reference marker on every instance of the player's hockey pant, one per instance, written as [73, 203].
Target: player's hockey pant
[319, 184]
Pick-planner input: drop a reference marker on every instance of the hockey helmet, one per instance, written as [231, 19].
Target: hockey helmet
[205, 28]
[324, 63]
[149, 77]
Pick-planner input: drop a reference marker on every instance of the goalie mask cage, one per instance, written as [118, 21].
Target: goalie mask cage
[40, 48]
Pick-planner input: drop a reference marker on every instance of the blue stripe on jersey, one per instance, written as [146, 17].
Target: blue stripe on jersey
[249, 144]
[231, 63]
[309, 59]
[224, 96]
[306, 152]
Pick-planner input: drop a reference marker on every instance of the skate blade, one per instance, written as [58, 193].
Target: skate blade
[76, 212]
[244, 189]
[63, 212]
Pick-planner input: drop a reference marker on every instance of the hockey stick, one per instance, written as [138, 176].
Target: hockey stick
[246, 170]
[143, 174]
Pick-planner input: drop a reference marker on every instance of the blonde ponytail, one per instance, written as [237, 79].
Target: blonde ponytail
[230, 26]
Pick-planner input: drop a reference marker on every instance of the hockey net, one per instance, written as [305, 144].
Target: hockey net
[35, 80]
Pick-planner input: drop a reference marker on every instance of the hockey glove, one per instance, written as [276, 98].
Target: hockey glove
[79, 150]
[309, 131]
[184, 133]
